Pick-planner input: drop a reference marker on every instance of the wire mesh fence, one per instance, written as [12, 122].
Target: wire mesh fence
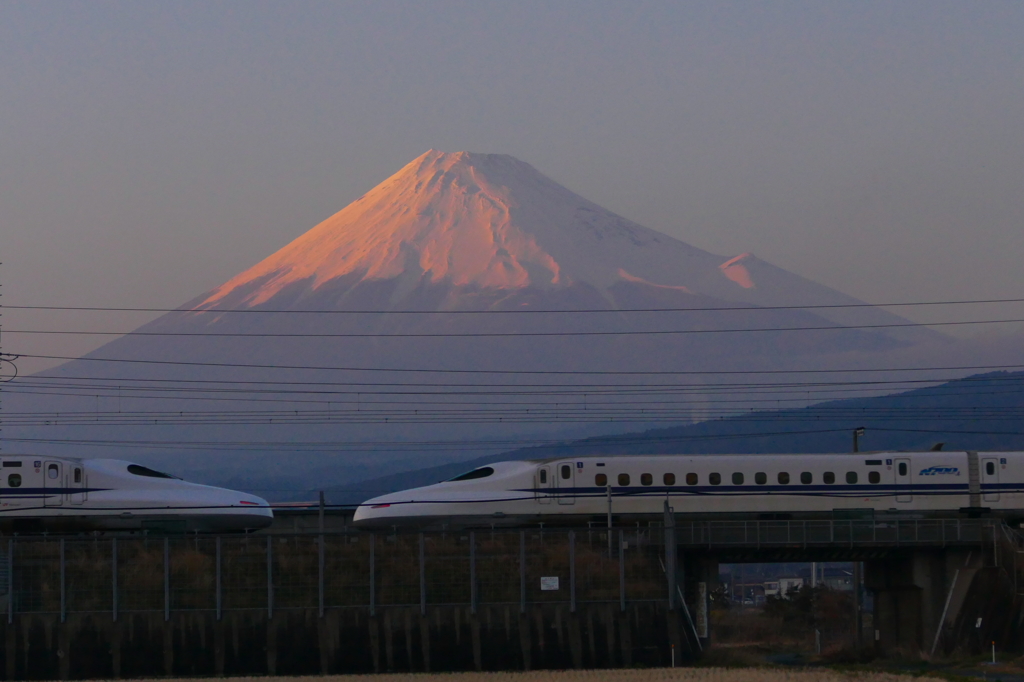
[172, 573]
[88, 577]
[332, 570]
[36, 577]
[348, 569]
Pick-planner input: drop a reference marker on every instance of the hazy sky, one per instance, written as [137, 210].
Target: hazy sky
[149, 151]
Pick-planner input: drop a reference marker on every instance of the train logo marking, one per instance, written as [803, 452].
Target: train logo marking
[940, 471]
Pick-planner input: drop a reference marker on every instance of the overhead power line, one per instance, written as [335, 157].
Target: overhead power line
[337, 368]
[219, 311]
[286, 387]
[700, 437]
[564, 414]
[327, 447]
[448, 335]
[475, 391]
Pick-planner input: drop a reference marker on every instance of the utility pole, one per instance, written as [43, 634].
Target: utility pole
[857, 433]
[857, 623]
[608, 488]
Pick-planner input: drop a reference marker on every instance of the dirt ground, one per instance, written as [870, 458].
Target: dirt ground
[631, 675]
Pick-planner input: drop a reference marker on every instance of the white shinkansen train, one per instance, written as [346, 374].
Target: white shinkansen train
[59, 494]
[922, 484]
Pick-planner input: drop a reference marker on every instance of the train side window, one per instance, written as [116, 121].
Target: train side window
[691, 479]
[715, 479]
[806, 477]
[784, 477]
[566, 471]
[601, 480]
[669, 479]
[52, 471]
[623, 479]
[903, 468]
[990, 468]
[874, 477]
[78, 475]
[737, 478]
[543, 476]
[829, 477]
[137, 470]
[851, 477]
[14, 480]
[760, 478]
[646, 479]
[482, 472]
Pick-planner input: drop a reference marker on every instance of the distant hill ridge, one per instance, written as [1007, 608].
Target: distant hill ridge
[983, 412]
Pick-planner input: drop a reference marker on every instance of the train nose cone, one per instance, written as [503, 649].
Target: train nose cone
[256, 510]
[375, 511]
[240, 512]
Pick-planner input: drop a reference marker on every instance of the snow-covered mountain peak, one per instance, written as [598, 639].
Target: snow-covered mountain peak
[485, 221]
[458, 230]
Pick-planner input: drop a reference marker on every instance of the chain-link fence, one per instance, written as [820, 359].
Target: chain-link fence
[83, 574]
[168, 574]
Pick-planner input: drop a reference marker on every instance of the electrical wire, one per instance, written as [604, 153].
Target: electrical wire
[598, 442]
[189, 363]
[517, 311]
[434, 390]
[558, 334]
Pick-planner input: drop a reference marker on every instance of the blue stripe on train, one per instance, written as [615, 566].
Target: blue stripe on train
[867, 490]
[21, 492]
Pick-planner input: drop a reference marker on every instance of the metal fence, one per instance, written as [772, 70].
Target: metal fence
[328, 571]
[95, 574]
[871, 532]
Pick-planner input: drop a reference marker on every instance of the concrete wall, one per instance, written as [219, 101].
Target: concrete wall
[926, 599]
[39, 646]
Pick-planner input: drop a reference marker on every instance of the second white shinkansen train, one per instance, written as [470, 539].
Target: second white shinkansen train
[71, 495]
[922, 484]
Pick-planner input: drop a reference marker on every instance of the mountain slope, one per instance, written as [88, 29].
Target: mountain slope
[390, 278]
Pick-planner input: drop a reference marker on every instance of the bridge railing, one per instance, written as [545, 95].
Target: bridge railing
[836, 533]
[332, 570]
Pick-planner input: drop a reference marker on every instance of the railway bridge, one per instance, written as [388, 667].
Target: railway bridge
[312, 595]
[936, 583]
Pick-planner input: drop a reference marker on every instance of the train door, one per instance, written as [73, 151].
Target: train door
[53, 483]
[543, 482]
[13, 476]
[78, 494]
[990, 479]
[566, 483]
[903, 472]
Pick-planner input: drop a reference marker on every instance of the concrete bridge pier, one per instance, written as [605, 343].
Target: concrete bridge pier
[916, 593]
[699, 578]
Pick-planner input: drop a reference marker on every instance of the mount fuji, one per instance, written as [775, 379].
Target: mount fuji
[341, 321]
[462, 230]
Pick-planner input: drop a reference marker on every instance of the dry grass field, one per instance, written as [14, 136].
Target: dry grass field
[630, 675]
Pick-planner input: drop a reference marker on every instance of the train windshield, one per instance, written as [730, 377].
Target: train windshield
[146, 471]
[482, 472]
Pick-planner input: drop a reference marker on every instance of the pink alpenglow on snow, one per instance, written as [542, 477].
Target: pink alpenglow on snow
[484, 221]
[464, 230]
[447, 216]
[735, 270]
[639, 280]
